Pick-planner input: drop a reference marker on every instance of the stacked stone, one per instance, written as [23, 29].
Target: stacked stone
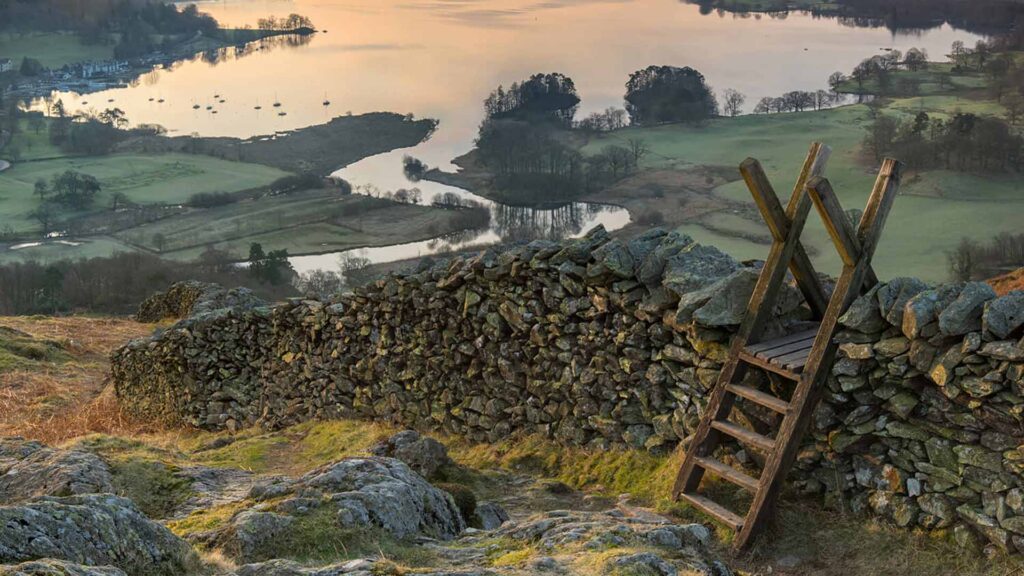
[922, 420]
[603, 342]
[593, 341]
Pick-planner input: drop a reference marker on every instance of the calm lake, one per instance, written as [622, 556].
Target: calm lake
[441, 58]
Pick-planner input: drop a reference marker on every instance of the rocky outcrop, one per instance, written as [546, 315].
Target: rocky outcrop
[95, 530]
[358, 493]
[29, 470]
[57, 568]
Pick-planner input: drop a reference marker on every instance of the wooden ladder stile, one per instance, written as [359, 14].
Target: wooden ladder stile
[805, 357]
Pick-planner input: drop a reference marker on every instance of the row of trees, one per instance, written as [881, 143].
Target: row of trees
[118, 284]
[964, 142]
[972, 260]
[289, 22]
[798, 101]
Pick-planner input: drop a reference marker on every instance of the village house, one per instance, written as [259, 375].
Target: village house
[104, 68]
[6, 65]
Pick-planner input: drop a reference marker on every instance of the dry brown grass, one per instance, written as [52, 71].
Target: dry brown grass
[1008, 282]
[54, 401]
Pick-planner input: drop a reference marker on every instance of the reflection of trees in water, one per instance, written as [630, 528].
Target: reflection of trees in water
[520, 223]
[229, 53]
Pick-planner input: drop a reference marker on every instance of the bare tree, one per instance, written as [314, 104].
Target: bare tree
[733, 102]
[638, 148]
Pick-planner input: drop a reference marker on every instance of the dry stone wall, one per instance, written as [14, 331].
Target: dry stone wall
[603, 342]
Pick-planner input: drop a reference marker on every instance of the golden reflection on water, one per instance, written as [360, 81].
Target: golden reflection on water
[441, 58]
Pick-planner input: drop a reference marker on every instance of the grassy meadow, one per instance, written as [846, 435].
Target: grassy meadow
[52, 49]
[935, 210]
[144, 179]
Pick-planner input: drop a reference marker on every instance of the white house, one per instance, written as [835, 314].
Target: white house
[6, 65]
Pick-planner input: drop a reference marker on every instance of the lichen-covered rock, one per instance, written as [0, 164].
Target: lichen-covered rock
[58, 568]
[97, 529]
[1004, 316]
[354, 493]
[253, 533]
[695, 267]
[616, 529]
[893, 298]
[29, 470]
[421, 453]
[963, 315]
[385, 492]
[358, 567]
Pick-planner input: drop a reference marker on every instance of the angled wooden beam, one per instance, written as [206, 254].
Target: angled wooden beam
[778, 220]
[838, 225]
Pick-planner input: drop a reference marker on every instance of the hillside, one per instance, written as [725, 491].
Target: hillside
[351, 487]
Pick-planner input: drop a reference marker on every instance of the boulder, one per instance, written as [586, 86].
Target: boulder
[385, 492]
[29, 470]
[421, 453]
[104, 529]
[1004, 315]
[489, 516]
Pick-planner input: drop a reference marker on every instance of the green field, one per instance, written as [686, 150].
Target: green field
[32, 145]
[53, 251]
[307, 222]
[53, 49]
[145, 179]
[935, 211]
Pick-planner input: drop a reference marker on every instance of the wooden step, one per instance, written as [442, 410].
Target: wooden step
[716, 511]
[782, 341]
[743, 435]
[756, 396]
[729, 473]
[767, 365]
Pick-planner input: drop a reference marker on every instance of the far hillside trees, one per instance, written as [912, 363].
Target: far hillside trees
[660, 94]
[964, 142]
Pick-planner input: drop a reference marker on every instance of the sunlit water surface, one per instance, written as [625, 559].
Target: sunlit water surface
[440, 59]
